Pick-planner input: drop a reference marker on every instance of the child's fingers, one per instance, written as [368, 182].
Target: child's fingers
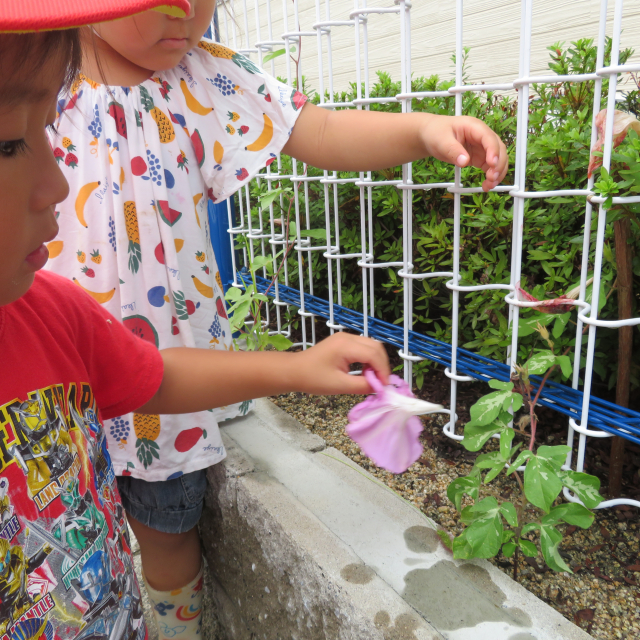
[496, 172]
[356, 385]
[368, 352]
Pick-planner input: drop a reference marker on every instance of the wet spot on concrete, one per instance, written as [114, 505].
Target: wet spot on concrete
[357, 573]
[402, 629]
[437, 592]
[480, 578]
[522, 636]
[421, 539]
[413, 561]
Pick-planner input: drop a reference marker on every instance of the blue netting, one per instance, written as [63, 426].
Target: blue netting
[603, 415]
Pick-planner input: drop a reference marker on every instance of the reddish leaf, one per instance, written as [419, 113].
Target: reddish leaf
[571, 530]
[432, 477]
[630, 581]
[532, 563]
[598, 574]
[596, 548]
[605, 534]
[584, 614]
[633, 567]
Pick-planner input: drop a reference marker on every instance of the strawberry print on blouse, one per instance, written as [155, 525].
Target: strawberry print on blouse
[142, 163]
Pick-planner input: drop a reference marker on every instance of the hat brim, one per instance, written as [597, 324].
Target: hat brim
[23, 16]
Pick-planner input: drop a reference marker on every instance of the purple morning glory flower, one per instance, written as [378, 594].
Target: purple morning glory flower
[386, 425]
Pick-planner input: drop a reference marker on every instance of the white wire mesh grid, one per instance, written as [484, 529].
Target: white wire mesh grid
[268, 236]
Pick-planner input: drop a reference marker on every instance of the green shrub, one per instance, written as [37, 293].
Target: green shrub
[558, 154]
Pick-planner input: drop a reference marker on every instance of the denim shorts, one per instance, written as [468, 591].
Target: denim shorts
[171, 506]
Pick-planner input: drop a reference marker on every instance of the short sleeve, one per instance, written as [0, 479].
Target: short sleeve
[124, 365]
[238, 117]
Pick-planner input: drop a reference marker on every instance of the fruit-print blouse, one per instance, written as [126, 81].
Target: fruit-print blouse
[134, 233]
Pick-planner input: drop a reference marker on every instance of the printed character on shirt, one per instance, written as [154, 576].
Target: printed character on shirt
[65, 558]
[142, 162]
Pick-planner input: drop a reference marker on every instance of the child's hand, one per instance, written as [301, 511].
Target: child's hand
[324, 369]
[464, 141]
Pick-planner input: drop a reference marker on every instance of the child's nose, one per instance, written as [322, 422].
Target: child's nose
[53, 186]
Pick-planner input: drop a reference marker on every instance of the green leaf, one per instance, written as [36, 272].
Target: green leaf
[517, 402]
[484, 533]
[488, 407]
[232, 294]
[506, 438]
[493, 461]
[508, 511]
[585, 486]
[244, 297]
[560, 324]
[507, 534]
[555, 456]
[522, 456]
[462, 550]
[259, 262]
[541, 483]
[314, 233]
[240, 312]
[528, 548]
[476, 436]
[498, 384]
[565, 365]
[508, 549]
[446, 540]
[468, 485]
[279, 342]
[273, 55]
[528, 528]
[571, 513]
[539, 362]
[270, 196]
[550, 539]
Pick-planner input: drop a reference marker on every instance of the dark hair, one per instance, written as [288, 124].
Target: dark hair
[26, 53]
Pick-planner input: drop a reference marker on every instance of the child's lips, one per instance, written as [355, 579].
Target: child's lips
[174, 43]
[38, 258]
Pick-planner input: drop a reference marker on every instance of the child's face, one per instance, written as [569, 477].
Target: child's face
[31, 182]
[156, 41]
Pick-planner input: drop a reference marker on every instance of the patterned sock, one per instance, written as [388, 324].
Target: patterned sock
[178, 613]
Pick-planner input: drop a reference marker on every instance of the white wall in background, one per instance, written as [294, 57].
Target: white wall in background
[491, 29]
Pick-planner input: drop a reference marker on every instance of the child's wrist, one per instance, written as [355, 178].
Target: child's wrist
[428, 131]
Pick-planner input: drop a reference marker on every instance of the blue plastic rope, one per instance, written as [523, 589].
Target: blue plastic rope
[603, 415]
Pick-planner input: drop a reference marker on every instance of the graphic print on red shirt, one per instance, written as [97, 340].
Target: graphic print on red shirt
[65, 559]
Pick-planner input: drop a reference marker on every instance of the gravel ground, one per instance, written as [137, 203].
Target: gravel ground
[602, 595]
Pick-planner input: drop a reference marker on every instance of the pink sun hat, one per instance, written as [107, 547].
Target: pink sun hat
[21, 16]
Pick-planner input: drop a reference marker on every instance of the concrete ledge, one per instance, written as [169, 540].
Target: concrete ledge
[302, 545]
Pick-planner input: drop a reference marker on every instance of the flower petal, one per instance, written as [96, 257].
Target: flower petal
[386, 427]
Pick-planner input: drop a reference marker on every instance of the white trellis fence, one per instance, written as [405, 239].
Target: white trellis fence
[588, 416]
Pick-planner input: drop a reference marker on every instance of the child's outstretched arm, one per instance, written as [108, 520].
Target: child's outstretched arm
[368, 141]
[200, 379]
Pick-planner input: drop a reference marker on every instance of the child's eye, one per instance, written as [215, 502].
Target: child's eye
[52, 128]
[11, 148]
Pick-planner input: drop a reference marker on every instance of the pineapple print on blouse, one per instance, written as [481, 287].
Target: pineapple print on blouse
[147, 430]
[142, 163]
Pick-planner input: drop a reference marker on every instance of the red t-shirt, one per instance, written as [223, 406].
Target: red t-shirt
[65, 561]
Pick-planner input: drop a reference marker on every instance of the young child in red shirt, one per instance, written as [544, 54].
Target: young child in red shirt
[67, 365]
